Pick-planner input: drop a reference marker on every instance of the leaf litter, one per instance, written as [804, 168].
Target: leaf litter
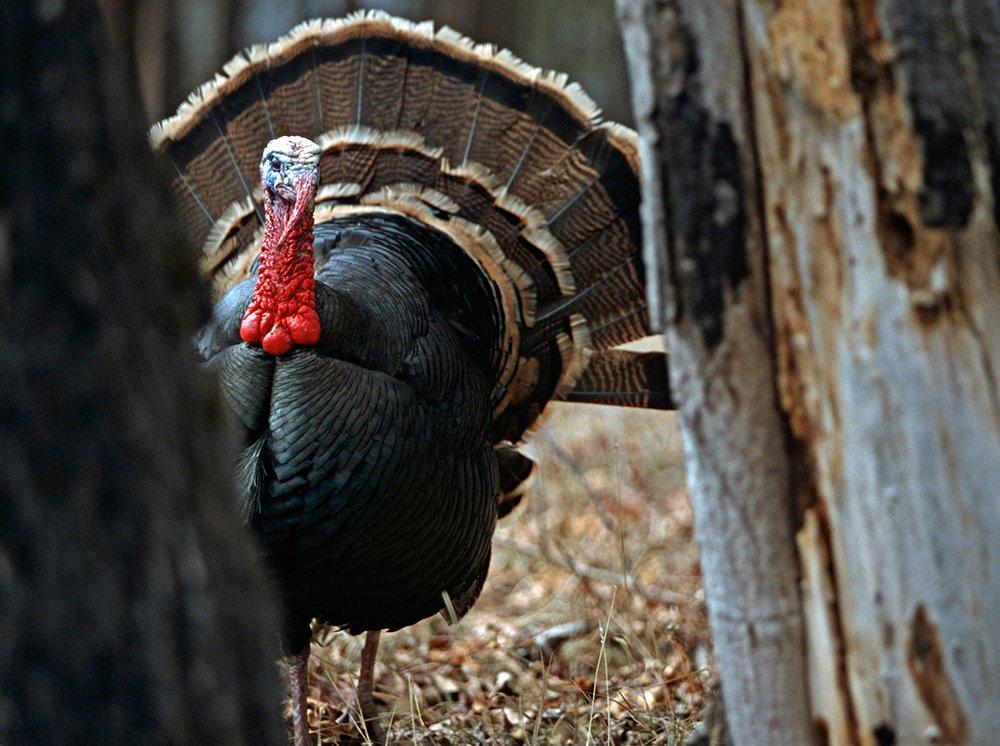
[591, 628]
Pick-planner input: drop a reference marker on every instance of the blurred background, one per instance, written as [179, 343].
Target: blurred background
[182, 43]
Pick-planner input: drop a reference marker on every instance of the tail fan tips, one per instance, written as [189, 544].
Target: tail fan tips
[517, 474]
[511, 161]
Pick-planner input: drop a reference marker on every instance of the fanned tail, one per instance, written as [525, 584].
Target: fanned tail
[517, 472]
[625, 379]
[513, 163]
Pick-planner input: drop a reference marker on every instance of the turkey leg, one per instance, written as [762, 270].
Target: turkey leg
[298, 682]
[366, 681]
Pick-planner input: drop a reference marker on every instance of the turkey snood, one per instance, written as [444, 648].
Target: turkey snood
[282, 311]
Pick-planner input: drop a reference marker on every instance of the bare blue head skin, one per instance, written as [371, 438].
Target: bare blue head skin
[287, 164]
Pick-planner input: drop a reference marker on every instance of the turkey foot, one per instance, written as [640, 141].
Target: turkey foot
[298, 682]
[366, 681]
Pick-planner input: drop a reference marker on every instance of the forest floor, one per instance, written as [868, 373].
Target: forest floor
[591, 627]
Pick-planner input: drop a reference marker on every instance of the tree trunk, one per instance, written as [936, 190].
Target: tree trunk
[705, 253]
[872, 147]
[132, 608]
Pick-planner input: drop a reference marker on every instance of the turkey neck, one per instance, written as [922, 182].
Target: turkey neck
[286, 262]
[282, 311]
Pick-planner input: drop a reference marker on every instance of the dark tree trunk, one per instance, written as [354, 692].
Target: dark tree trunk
[132, 608]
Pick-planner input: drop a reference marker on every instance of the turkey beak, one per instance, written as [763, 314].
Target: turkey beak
[285, 191]
[290, 185]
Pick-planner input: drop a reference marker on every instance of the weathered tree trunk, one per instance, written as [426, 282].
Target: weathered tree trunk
[705, 250]
[871, 138]
[132, 609]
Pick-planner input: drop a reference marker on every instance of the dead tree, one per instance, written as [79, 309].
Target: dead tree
[822, 207]
[132, 609]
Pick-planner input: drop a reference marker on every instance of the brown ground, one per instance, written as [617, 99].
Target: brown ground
[592, 624]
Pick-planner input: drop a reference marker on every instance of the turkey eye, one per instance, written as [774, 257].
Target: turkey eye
[276, 165]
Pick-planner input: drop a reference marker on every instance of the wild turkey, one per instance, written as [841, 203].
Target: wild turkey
[453, 246]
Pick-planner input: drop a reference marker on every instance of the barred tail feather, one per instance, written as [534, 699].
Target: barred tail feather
[512, 161]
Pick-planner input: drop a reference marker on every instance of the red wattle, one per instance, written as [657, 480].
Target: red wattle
[250, 328]
[277, 341]
[282, 311]
[304, 327]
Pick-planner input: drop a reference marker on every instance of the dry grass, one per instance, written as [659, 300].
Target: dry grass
[591, 628]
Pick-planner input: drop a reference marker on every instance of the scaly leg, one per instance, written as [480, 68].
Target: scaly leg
[298, 683]
[366, 681]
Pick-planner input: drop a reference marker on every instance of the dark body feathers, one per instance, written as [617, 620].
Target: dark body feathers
[476, 241]
[375, 484]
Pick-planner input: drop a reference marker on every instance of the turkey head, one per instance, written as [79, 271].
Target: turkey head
[282, 311]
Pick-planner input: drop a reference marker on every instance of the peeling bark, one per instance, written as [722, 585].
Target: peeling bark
[706, 250]
[884, 246]
[871, 127]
